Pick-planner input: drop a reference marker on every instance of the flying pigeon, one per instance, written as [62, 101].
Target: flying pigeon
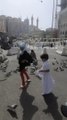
[12, 106]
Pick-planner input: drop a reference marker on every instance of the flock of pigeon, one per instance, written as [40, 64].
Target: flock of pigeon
[4, 62]
[59, 66]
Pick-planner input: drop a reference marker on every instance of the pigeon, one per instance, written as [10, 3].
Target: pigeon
[53, 63]
[64, 110]
[13, 107]
[61, 69]
[55, 58]
[56, 69]
[8, 74]
[11, 110]
[57, 62]
[15, 71]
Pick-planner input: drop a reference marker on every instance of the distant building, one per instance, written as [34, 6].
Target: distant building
[13, 26]
[37, 22]
[16, 27]
[51, 33]
[26, 25]
[62, 22]
[2, 23]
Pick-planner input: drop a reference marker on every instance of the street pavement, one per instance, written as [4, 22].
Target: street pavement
[31, 104]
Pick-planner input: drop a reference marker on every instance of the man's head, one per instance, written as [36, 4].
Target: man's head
[22, 46]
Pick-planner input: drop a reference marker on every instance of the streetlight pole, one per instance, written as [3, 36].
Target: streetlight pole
[52, 25]
[56, 15]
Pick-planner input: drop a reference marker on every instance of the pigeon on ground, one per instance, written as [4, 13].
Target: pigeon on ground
[61, 69]
[57, 62]
[8, 74]
[56, 69]
[53, 63]
[64, 110]
[55, 58]
[14, 106]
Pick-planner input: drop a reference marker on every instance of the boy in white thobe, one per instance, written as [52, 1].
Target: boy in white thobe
[47, 81]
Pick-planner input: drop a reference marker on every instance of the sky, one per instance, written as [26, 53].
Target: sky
[26, 8]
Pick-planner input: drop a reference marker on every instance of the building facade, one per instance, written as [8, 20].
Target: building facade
[62, 22]
[51, 33]
[13, 26]
[26, 26]
[63, 4]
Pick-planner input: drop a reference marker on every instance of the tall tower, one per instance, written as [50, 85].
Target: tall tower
[37, 22]
[32, 21]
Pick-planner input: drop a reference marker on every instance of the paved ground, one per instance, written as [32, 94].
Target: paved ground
[31, 104]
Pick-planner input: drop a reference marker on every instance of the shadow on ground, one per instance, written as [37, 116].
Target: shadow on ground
[52, 106]
[26, 101]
